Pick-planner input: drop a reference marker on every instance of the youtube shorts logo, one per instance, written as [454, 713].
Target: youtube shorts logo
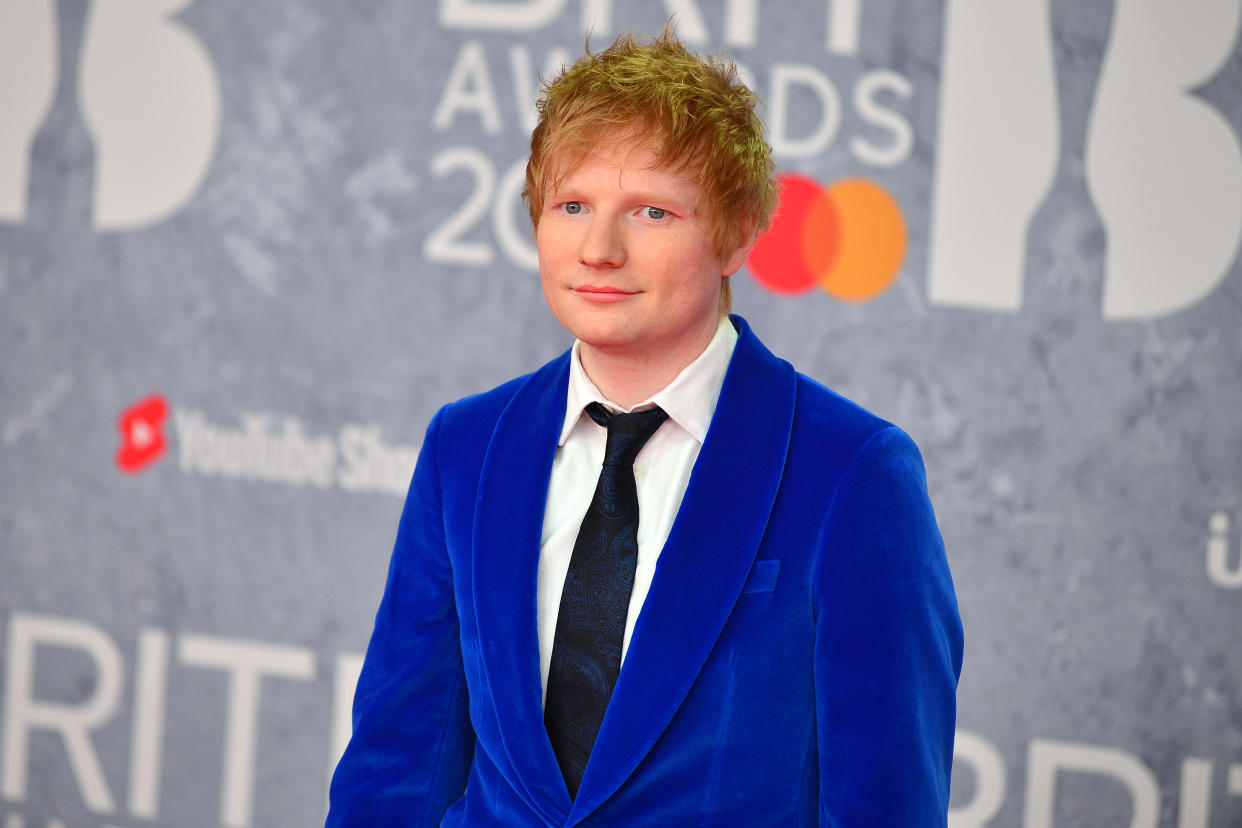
[142, 441]
[265, 447]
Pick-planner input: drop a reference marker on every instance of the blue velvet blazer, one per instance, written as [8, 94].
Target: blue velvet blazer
[795, 662]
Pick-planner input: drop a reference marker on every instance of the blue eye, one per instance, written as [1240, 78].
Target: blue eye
[655, 212]
[573, 208]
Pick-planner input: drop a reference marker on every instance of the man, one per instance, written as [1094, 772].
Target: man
[663, 580]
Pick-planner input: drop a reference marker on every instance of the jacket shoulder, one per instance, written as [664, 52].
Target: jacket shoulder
[825, 425]
[821, 410]
[477, 414]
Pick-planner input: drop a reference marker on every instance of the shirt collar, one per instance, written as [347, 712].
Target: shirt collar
[689, 400]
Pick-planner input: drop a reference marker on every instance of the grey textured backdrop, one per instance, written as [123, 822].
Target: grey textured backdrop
[179, 638]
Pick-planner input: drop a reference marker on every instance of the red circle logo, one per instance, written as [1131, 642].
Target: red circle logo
[849, 239]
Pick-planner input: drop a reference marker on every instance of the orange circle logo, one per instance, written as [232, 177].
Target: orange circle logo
[850, 239]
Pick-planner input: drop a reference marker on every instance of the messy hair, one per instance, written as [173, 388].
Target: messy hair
[701, 117]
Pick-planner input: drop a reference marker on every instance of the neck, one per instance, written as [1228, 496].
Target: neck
[629, 376]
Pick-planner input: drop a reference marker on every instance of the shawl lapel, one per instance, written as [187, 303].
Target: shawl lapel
[703, 565]
[702, 569]
[508, 521]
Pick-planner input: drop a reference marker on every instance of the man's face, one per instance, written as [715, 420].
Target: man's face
[626, 256]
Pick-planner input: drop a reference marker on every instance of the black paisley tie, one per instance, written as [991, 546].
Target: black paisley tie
[586, 652]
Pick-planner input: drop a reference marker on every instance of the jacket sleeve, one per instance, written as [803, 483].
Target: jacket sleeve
[412, 742]
[888, 646]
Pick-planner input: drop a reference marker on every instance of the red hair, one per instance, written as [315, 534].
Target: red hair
[701, 117]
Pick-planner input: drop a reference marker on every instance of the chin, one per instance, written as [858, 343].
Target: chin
[602, 335]
[599, 327]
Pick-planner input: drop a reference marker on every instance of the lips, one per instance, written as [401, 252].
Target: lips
[603, 293]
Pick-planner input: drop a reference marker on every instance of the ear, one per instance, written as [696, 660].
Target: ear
[735, 259]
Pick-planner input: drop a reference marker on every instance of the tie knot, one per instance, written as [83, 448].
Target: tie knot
[627, 433]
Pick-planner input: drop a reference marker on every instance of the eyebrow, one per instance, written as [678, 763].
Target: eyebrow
[567, 192]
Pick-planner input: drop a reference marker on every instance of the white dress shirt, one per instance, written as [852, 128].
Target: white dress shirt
[661, 473]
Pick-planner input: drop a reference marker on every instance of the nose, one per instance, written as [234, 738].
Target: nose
[602, 245]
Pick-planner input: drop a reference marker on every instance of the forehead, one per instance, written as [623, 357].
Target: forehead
[636, 162]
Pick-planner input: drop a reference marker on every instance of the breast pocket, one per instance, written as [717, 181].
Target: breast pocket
[762, 576]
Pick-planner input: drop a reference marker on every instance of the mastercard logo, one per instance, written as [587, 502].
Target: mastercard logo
[849, 239]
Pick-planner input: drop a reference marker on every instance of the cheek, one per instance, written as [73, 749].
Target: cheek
[553, 247]
[693, 250]
[694, 269]
[541, 243]
[549, 285]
